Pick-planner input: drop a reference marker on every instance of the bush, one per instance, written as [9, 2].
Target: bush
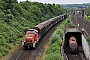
[87, 18]
[2, 15]
[3, 51]
[0, 55]
[8, 46]
[88, 39]
[54, 38]
[54, 48]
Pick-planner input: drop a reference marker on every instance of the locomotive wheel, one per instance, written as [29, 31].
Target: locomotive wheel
[28, 46]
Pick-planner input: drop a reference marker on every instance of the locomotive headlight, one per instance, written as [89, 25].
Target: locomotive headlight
[24, 41]
[78, 24]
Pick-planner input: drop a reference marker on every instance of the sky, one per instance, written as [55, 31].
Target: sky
[60, 1]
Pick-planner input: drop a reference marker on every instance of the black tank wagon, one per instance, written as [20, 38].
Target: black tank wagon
[72, 39]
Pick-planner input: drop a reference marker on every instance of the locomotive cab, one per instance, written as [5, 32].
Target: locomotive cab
[30, 38]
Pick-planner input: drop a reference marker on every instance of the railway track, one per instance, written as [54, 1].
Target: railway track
[16, 53]
[79, 56]
[21, 54]
[74, 57]
[83, 24]
[24, 55]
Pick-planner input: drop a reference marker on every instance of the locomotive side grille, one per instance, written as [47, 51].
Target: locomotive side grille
[28, 40]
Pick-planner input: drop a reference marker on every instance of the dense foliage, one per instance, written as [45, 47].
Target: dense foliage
[88, 39]
[53, 51]
[87, 11]
[87, 14]
[16, 18]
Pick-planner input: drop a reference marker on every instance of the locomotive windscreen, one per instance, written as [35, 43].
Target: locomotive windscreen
[77, 35]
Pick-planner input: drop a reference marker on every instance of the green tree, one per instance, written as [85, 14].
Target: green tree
[88, 11]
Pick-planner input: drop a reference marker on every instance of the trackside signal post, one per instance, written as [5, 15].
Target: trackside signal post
[83, 17]
[82, 13]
